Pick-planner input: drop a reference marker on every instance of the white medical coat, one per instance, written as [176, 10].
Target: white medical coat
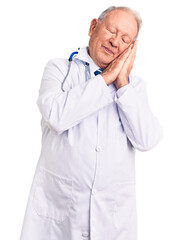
[84, 183]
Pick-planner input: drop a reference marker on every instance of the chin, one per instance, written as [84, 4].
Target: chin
[104, 64]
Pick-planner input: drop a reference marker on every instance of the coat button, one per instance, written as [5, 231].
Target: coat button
[94, 191]
[85, 234]
[98, 148]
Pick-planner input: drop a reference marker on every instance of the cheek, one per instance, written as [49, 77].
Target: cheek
[96, 41]
[106, 37]
[102, 36]
[123, 48]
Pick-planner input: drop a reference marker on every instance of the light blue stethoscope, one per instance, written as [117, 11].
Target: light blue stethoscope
[69, 67]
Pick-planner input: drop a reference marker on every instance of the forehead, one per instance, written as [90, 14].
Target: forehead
[122, 20]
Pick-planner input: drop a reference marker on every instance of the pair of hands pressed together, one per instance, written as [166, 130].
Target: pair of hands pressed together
[119, 69]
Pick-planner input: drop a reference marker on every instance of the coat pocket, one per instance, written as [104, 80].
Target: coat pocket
[53, 196]
[125, 205]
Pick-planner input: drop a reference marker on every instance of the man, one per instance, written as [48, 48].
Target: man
[84, 184]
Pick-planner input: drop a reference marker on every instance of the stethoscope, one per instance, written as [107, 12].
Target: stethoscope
[69, 67]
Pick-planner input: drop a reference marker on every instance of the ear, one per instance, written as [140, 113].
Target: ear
[93, 26]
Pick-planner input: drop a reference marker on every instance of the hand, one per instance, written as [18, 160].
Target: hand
[122, 78]
[112, 71]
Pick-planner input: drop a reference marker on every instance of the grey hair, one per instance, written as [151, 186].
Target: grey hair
[127, 9]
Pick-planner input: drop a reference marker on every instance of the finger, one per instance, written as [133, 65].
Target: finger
[122, 57]
[128, 49]
[126, 52]
[118, 62]
[128, 64]
[130, 60]
[133, 51]
[135, 44]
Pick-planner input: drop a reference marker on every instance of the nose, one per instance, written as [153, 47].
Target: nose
[115, 41]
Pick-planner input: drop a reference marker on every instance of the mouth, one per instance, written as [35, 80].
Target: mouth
[108, 50]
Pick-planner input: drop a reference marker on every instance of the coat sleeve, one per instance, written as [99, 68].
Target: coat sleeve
[140, 125]
[63, 110]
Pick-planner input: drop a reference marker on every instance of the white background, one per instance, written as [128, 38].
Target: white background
[34, 31]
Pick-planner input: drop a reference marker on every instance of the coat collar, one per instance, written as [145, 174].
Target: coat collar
[85, 57]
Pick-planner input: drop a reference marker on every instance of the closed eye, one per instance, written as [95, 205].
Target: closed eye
[125, 39]
[111, 31]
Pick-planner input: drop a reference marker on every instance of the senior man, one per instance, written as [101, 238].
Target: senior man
[95, 113]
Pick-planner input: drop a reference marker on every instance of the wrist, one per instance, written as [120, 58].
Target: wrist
[121, 82]
[106, 78]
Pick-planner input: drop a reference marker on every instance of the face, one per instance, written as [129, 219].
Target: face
[111, 37]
